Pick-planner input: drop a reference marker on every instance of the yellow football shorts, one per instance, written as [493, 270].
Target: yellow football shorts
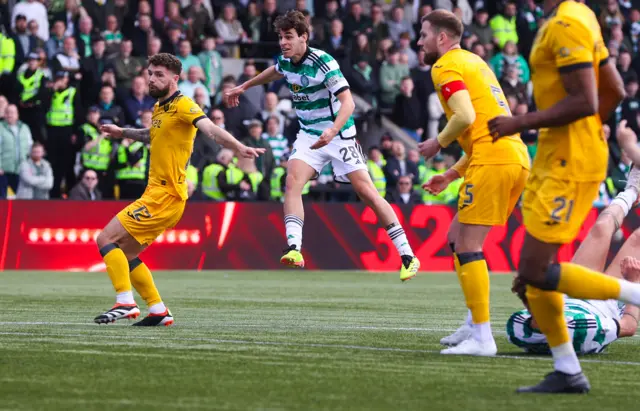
[489, 193]
[553, 210]
[153, 213]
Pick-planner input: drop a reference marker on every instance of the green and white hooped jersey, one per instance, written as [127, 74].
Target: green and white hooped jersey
[314, 83]
[593, 325]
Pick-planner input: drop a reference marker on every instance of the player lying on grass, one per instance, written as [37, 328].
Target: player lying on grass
[592, 324]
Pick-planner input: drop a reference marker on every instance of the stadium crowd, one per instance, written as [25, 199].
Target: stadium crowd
[69, 66]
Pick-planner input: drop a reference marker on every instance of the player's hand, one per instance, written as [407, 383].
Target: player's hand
[436, 184]
[503, 126]
[630, 268]
[625, 135]
[325, 138]
[250, 152]
[429, 148]
[111, 130]
[233, 96]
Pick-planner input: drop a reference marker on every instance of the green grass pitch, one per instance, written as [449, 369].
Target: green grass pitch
[292, 340]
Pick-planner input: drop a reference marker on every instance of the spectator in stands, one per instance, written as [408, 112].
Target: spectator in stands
[109, 110]
[92, 70]
[405, 49]
[630, 106]
[137, 101]
[503, 26]
[265, 162]
[422, 11]
[25, 42]
[193, 81]
[230, 30]
[618, 41]
[4, 103]
[211, 62]
[528, 25]
[71, 15]
[254, 95]
[173, 18]
[202, 99]
[33, 10]
[201, 22]
[404, 111]
[154, 47]
[379, 27]
[87, 187]
[363, 81]
[278, 143]
[403, 192]
[335, 43]
[83, 36]
[360, 46]
[479, 50]
[68, 60]
[126, 66]
[398, 25]
[513, 86]
[141, 35]
[268, 34]
[214, 176]
[32, 27]
[398, 166]
[217, 116]
[624, 65]
[15, 145]
[386, 146]
[112, 36]
[251, 22]
[375, 164]
[634, 30]
[171, 44]
[36, 176]
[611, 15]
[271, 110]
[480, 27]
[187, 59]
[509, 56]
[31, 90]
[356, 21]
[55, 43]
[391, 74]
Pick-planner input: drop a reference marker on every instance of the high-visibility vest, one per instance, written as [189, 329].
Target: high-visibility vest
[210, 186]
[61, 112]
[136, 171]
[97, 158]
[31, 85]
[377, 175]
[192, 174]
[276, 185]
[429, 198]
[256, 178]
[7, 54]
[422, 178]
[234, 175]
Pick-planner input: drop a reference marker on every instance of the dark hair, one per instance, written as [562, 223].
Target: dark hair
[292, 19]
[406, 78]
[167, 61]
[442, 20]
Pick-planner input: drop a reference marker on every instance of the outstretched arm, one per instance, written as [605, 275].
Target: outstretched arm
[267, 76]
[225, 139]
[137, 134]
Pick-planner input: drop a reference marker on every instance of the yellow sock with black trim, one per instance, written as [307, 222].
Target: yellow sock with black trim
[474, 279]
[580, 282]
[117, 267]
[142, 280]
[547, 307]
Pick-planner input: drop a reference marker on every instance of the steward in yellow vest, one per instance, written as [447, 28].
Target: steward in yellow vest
[244, 183]
[31, 88]
[278, 181]
[375, 163]
[214, 174]
[132, 168]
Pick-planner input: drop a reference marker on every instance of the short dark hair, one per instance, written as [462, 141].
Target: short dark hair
[292, 19]
[443, 20]
[167, 61]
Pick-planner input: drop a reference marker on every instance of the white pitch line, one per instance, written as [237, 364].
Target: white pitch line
[314, 345]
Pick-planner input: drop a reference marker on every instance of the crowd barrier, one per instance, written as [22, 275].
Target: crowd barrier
[58, 235]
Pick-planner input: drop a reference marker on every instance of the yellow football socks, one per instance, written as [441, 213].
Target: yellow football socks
[142, 280]
[547, 307]
[580, 282]
[117, 267]
[474, 279]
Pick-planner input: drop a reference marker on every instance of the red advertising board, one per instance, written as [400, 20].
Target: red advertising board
[58, 235]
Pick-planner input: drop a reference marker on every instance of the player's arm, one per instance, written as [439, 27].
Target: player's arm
[346, 110]
[440, 182]
[610, 89]
[628, 141]
[222, 137]
[137, 134]
[267, 76]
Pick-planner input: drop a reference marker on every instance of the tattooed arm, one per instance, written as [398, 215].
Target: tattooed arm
[225, 139]
[141, 135]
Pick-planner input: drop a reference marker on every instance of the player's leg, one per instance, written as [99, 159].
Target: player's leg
[303, 164]
[117, 246]
[364, 188]
[142, 281]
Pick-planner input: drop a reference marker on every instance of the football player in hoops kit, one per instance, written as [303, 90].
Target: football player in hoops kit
[324, 107]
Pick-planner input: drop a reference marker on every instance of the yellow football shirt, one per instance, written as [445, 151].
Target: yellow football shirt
[172, 134]
[459, 69]
[570, 39]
